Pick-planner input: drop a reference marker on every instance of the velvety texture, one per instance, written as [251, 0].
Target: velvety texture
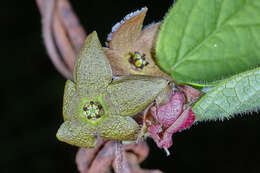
[236, 95]
[119, 99]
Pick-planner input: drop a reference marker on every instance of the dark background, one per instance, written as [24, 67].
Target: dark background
[31, 101]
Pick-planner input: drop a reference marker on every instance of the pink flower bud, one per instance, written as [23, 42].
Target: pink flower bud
[169, 119]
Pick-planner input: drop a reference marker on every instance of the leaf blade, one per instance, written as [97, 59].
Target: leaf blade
[203, 41]
[238, 94]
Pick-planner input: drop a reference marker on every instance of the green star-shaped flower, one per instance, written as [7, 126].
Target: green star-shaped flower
[96, 105]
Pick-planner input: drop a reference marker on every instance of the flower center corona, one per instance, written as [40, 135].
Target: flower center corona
[138, 61]
[93, 110]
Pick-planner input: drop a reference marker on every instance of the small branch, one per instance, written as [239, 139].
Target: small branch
[47, 7]
[119, 158]
[108, 155]
[103, 160]
[141, 150]
[63, 43]
[70, 21]
[62, 34]
[85, 157]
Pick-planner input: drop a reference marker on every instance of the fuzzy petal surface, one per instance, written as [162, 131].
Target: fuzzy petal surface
[145, 44]
[119, 128]
[92, 71]
[77, 133]
[126, 32]
[127, 39]
[167, 114]
[168, 119]
[69, 93]
[132, 94]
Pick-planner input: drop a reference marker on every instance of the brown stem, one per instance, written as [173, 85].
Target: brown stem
[103, 159]
[62, 34]
[120, 163]
[47, 7]
[106, 156]
[73, 27]
[134, 166]
[63, 43]
[85, 157]
[141, 150]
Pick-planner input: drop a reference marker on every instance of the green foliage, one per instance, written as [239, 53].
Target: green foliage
[203, 41]
[238, 94]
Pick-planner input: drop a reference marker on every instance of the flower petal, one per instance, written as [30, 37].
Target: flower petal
[119, 58]
[119, 64]
[92, 71]
[145, 45]
[77, 133]
[147, 39]
[155, 131]
[119, 128]
[184, 121]
[167, 114]
[190, 93]
[131, 94]
[125, 33]
[68, 103]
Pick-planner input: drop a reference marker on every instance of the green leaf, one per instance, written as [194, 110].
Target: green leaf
[203, 41]
[238, 94]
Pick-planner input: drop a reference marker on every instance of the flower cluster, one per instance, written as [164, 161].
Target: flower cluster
[98, 104]
[130, 46]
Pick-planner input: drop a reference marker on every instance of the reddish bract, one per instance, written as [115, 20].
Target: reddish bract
[168, 119]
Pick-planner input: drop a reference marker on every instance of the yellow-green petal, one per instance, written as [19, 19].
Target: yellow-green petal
[119, 128]
[92, 71]
[131, 94]
[69, 94]
[77, 133]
